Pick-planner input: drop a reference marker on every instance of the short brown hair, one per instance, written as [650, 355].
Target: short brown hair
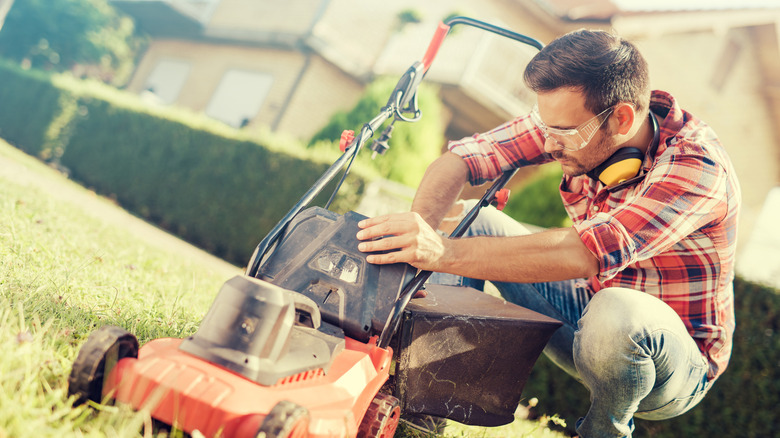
[605, 67]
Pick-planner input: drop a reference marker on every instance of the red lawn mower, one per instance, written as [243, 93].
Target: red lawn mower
[313, 341]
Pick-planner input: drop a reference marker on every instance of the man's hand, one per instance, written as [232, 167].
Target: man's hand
[409, 238]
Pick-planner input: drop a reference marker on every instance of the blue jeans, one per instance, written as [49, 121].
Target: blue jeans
[630, 349]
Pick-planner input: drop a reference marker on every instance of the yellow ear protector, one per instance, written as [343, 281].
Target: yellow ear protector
[624, 164]
[623, 167]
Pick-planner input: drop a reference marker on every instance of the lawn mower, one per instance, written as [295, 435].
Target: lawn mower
[313, 341]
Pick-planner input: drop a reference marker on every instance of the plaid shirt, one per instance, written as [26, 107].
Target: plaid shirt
[672, 235]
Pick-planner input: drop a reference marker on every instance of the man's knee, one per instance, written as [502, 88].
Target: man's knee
[613, 311]
[613, 322]
[622, 310]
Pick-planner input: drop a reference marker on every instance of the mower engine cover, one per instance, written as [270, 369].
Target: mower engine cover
[264, 332]
[318, 257]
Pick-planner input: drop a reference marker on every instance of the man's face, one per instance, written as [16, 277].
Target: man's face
[565, 109]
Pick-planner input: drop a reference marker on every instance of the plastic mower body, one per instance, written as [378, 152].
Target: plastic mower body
[181, 389]
[267, 359]
[301, 344]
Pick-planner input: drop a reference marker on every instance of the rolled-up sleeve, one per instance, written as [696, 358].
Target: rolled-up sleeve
[514, 144]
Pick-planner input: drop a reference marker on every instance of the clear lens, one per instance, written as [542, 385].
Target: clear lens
[570, 142]
[571, 139]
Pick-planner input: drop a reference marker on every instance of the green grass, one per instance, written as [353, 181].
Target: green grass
[66, 270]
[518, 428]
[63, 273]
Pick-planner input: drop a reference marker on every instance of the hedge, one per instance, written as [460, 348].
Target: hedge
[29, 106]
[743, 402]
[216, 187]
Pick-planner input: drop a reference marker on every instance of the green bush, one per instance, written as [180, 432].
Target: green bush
[409, 16]
[30, 108]
[220, 193]
[412, 146]
[743, 401]
[538, 202]
[212, 185]
[60, 35]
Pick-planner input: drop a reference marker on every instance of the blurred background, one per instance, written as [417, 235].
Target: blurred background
[290, 66]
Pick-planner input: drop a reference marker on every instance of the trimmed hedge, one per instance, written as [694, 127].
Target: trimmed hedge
[29, 107]
[743, 402]
[214, 186]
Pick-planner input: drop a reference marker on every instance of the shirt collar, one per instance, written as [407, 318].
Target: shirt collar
[664, 105]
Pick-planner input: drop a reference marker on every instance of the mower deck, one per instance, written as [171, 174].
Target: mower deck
[163, 379]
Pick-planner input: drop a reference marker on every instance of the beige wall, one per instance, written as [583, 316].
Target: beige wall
[323, 90]
[210, 62]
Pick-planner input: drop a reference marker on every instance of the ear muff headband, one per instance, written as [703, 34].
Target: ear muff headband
[626, 163]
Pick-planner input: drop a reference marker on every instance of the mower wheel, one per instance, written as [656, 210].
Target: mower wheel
[286, 420]
[96, 358]
[381, 418]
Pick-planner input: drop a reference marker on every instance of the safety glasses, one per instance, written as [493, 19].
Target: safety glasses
[571, 139]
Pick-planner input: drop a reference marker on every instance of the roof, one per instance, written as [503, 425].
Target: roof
[605, 10]
[693, 5]
[161, 18]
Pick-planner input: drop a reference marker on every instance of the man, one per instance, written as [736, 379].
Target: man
[643, 278]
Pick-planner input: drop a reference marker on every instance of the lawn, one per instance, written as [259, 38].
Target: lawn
[71, 262]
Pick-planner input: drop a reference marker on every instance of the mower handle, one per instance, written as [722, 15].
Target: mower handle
[352, 150]
[404, 93]
[394, 320]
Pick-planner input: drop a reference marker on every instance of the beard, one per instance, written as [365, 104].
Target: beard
[596, 154]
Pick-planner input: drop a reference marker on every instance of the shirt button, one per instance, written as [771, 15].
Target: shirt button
[595, 208]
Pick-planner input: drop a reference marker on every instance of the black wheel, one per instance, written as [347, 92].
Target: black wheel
[286, 420]
[97, 357]
[381, 418]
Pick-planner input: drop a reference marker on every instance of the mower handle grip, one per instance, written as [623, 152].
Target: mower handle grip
[433, 46]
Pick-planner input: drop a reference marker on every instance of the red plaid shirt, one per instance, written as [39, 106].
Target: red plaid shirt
[673, 235]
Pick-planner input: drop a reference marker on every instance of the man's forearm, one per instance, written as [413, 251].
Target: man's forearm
[551, 255]
[440, 187]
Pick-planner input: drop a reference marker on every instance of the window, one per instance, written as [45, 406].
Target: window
[167, 79]
[239, 97]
